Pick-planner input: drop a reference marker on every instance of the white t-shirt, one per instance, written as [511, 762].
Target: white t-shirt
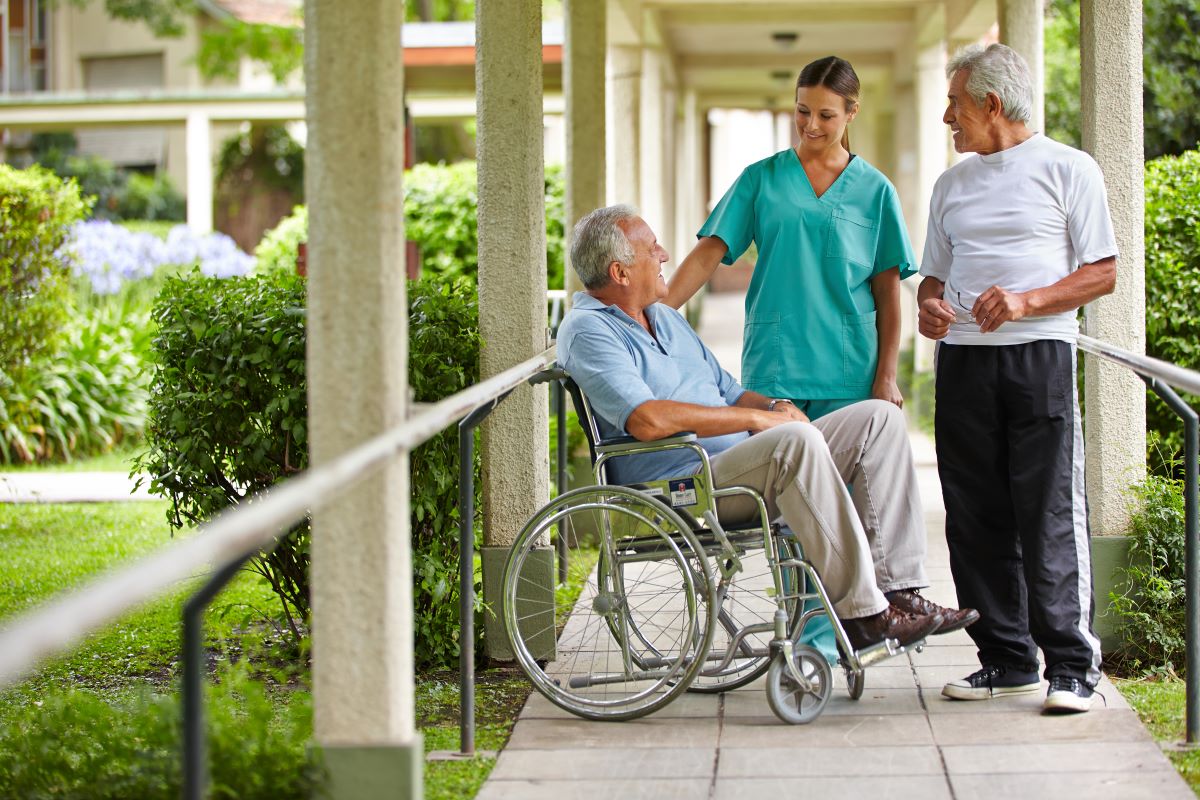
[1021, 219]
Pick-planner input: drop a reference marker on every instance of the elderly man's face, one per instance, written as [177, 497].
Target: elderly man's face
[967, 121]
[645, 273]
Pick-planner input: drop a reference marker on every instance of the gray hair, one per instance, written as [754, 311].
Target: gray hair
[597, 241]
[1000, 70]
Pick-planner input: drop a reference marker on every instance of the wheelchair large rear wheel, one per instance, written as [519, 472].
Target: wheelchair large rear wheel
[602, 602]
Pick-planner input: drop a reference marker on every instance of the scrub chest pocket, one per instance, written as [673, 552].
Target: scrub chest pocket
[851, 237]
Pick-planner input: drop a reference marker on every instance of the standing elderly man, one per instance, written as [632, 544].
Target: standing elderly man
[648, 375]
[1019, 238]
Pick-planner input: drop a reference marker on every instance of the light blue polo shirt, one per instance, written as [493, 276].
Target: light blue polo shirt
[619, 366]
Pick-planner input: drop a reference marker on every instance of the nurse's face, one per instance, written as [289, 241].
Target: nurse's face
[821, 117]
[645, 273]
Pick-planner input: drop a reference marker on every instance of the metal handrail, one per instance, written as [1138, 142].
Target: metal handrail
[55, 626]
[1159, 376]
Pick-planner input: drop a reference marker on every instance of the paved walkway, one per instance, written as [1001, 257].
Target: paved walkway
[901, 740]
[70, 487]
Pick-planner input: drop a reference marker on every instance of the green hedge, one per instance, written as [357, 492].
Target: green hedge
[1172, 278]
[37, 210]
[228, 418]
[440, 216]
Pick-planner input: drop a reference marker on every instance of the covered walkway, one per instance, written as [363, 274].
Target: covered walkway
[901, 740]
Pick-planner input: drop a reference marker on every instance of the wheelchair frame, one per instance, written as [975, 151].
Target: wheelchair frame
[674, 542]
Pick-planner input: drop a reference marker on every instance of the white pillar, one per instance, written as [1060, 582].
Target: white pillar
[358, 388]
[199, 172]
[1111, 50]
[932, 155]
[651, 131]
[623, 110]
[690, 194]
[512, 276]
[583, 90]
[1021, 28]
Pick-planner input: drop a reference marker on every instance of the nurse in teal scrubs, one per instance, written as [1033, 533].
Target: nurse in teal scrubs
[823, 307]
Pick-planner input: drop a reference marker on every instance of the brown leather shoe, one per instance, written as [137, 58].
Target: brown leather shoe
[891, 623]
[953, 619]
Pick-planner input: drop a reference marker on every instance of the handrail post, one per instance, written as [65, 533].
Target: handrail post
[195, 766]
[466, 573]
[1191, 509]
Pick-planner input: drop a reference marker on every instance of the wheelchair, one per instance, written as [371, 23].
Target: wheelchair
[616, 599]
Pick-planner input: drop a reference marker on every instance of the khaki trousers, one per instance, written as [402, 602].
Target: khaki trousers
[846, 486]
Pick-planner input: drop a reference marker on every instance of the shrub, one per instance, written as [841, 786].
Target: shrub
[88, 397]
[228, 406]
[443, 350]
[150, 197]
[278, 249]
[36, 212]
[79, 744]
[228, 418]
[1151, 606]
[1172, 278]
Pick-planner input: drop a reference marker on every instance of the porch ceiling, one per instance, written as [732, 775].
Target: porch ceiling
[741, 53]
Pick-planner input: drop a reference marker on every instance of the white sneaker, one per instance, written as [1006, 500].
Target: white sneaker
[1068, 695]
[991, 681]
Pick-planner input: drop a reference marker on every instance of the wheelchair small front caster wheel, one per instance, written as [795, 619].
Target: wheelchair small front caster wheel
[855, 678]
[799, 698]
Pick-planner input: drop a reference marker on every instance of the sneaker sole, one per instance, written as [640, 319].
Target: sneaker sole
[1066, 703]
[983, 693]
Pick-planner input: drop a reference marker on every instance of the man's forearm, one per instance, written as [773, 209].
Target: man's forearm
[930, 287]
[656, 419]
[1077, 289]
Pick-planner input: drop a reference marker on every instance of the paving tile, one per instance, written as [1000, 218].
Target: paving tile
[1160, 785]
[828, 730]
[628, 789]
[690, 705]
[895, 788]
[953, 655]
[1019, 728]
[873, 701]
[577, 764]
[544, 734]
[828, 761]
[1054, 757]
[883, 676]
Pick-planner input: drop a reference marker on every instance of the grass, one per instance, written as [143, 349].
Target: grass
[1161, 706]
[119, 459]
[45, 549]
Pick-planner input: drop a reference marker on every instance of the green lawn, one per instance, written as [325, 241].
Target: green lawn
[1160, 705]
[122, 680]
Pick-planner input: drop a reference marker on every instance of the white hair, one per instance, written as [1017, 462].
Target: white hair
[597, 241]
[1000, 70]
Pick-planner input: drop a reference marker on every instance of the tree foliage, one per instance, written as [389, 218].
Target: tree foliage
[1170, 74]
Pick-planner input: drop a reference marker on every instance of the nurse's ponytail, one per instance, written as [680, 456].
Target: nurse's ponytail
[836, 75]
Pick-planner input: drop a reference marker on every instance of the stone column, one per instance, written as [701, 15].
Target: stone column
[1111, 49]
[651, 131]
[690, 191]
[512, 278]
[1021, 25]
[358, 388]
[199, 172]
[623, 112]
[583, 90]
[932, 150]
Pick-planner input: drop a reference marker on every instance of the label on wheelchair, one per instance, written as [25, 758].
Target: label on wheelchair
[677, 492]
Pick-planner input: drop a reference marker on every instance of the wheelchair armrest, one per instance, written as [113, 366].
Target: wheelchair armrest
[620, 443]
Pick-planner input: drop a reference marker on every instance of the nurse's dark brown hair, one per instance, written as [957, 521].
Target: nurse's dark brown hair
[836, 75]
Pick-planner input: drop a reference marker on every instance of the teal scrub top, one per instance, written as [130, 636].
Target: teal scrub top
[810, 315]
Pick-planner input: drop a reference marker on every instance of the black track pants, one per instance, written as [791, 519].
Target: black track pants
[1010, 458]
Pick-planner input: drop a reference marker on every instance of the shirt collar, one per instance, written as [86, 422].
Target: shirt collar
[586, 302]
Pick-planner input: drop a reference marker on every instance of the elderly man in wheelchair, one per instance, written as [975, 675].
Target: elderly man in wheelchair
[656, 593]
